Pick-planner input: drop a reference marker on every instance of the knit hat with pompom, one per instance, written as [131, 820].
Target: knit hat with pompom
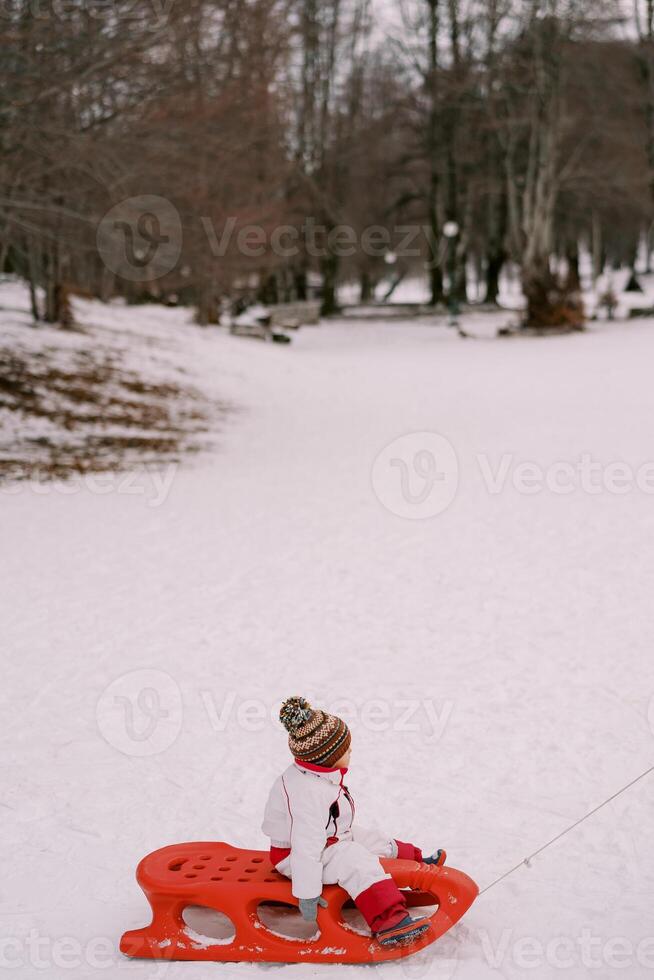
[313, 735]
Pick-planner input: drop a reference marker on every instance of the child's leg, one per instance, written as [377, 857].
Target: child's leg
[384, 846]
[374, 841]
[359, 872]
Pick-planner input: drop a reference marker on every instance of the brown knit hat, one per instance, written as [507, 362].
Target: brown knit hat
[313, 735]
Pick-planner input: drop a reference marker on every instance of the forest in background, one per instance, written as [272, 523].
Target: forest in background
[199, 150]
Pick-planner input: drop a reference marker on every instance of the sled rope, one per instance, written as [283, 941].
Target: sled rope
[526, 862]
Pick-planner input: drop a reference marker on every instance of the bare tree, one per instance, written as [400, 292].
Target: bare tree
[540, 114]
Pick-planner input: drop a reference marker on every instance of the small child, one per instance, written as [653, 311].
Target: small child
[309, 819]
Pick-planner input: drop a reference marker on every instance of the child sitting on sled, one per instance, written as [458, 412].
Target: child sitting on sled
[314, 840]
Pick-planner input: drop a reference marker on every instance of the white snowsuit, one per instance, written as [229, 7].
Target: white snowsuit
[312, 813]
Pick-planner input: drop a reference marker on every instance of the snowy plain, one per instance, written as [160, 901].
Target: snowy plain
[494, 658]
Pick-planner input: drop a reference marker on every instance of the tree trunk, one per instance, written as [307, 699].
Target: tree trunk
[206, 312]
[494, 264]
[497, 203]
[573, 280]
[58, 309]
[329, 268]
[435, 270]
[436, 293]
[32, 280]
[461, 277]
[647, 72]
[34, 306]
[457, 251]
[598, 252]
[57, 299]
[550, 303]
[366, 286]
[286, 293]
[269, 292]
[300, 282]
[107, 284]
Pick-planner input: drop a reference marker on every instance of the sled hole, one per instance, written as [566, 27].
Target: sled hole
[199, 867]
[242, 879]
[224, 869]
[217, 878]
[209, 924]
[270, 879]
[177, 864]
[353, 921]
[285, 920]
[415, 908]
[257, 860]
[233, 858]
[250, 871]
[205, 858]
[426, 910]
[190, 876]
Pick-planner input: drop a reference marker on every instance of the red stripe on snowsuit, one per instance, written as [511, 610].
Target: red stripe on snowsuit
[288, 803]
[277, 854]
[312, 767]
[341, 788]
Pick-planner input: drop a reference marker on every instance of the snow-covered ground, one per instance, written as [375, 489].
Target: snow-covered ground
[415, 289]
[106, 394]
[488, 636]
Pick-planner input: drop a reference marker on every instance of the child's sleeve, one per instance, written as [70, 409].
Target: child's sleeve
[382, 845]
[308, 839]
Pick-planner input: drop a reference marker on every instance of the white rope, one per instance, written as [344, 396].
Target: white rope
[526, 862]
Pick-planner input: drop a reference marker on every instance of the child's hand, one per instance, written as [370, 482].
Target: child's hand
[309, 907]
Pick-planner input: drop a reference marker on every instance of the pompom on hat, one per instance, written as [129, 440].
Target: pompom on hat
[314, 736]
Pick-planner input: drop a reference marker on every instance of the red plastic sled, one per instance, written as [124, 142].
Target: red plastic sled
[235, 882]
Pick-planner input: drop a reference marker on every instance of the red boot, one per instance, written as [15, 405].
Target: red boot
[437, 859]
